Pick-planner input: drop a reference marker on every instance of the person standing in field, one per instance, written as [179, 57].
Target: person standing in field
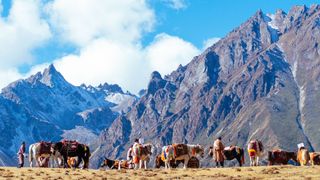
[21, 152]
[218, 148]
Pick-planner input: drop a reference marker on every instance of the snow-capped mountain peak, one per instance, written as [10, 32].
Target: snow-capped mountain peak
[51, 77]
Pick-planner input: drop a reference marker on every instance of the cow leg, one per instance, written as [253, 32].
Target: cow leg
[239, 161]
[31, 161]
[65, 163]
[145, 164]
[253, 161]
[58, 161]
[53, 160]
[185, 164]
[50, 161]
[36, 157]
[39, 161]
[31, 155]
[86, 160]
[167, 164]
[80, 158]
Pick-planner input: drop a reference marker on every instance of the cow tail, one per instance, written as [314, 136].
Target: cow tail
[88, 154]
[242, 157]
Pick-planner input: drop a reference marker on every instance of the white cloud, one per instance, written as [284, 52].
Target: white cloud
[7, 76]
[108, 36]
[166, 53]
[83, 21]
[106, 61]
[210, 42]
[21, 32]
[128, 65]
[176, 4]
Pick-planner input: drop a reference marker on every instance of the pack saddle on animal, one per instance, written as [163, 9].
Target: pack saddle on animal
[72, 149]
[181, 152]
[255, 151]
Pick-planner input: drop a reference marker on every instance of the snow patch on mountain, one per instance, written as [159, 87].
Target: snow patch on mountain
[122, 101]
[85, 114]
[80, 133]
[272, 27]
[117, 98]
[294, 71]
[272, 21]
[302, 97]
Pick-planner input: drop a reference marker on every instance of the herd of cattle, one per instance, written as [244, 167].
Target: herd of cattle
[72, 154]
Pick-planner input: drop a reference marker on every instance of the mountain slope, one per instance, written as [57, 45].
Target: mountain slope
[254, 83]
[46, 107]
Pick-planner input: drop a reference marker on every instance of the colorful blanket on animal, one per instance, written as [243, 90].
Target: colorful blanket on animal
[252, 152]
[257, 145]
[138, 150]
[167, 153]
[70, 145]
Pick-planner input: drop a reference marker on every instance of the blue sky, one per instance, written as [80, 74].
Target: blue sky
[154, 34]
[203, 19]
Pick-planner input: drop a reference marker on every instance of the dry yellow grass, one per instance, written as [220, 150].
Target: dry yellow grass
[274, 172]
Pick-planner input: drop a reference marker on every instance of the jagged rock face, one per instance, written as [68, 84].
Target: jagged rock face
[45, 107]
[301, 50]
[260, 81]
[50, 97]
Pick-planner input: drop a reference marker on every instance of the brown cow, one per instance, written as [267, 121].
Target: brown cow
[280, 157]
[314, 158]
[303, 156]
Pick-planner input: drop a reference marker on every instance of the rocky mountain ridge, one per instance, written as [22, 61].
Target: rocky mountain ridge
[260, 81]
[46, 107]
